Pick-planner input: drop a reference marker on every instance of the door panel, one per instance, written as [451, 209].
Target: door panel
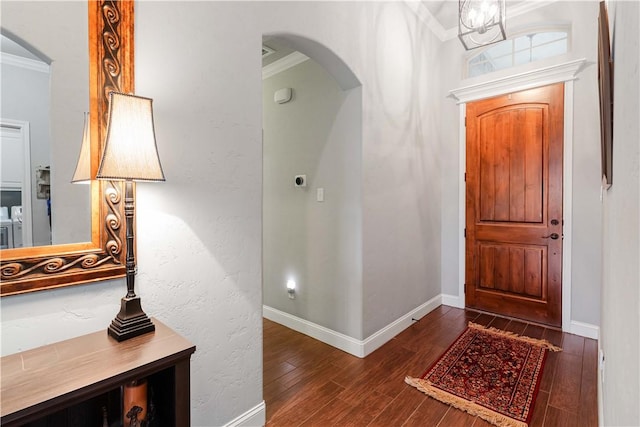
[514, 204]
[511, 268]
[511, 162]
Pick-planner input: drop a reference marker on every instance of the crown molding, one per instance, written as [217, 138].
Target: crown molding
[283, 64]
[423, 13]
[26, 63]
[527, 6]
[445, 34]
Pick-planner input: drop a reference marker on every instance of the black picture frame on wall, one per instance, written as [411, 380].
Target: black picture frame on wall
[605, 83]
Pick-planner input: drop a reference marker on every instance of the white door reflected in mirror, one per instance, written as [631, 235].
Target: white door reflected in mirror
[15, 184]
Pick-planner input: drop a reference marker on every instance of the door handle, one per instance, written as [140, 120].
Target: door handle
[553, 236]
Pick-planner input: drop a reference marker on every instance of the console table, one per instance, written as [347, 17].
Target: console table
[78, 381]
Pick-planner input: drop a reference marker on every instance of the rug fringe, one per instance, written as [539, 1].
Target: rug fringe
[533, 341]
[474, 409]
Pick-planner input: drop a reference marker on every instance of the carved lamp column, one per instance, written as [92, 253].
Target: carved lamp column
[130, 154]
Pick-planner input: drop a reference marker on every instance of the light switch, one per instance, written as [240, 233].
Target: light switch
[320, 194]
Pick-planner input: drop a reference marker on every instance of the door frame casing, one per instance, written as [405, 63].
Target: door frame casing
[23, 128]
[561, 73]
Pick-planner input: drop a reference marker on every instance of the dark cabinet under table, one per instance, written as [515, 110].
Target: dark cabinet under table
[78, 381]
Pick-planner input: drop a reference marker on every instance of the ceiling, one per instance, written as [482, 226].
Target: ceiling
[442, 15]
[444, 11]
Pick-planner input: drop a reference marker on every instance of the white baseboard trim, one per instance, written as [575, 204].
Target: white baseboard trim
[582, 329]
[378, 339]
[600, 386]
[586, 330]
[452, 301]
[326, 335]
[358, 348]
[254, 417]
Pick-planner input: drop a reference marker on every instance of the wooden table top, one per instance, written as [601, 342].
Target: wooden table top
[60, 374]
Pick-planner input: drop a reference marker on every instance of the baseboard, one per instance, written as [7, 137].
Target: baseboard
[254, 417]
[452, 301]
[326, 335]
[378, 339]
[600, 386]
[358, 348]
[586, 330]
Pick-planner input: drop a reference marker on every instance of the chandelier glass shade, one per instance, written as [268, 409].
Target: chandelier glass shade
[481, 22]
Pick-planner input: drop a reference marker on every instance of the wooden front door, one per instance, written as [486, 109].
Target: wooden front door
[514, 204]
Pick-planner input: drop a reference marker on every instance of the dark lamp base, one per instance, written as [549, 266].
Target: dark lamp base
[131, 321]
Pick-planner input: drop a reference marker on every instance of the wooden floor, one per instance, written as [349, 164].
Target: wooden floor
[308, 383]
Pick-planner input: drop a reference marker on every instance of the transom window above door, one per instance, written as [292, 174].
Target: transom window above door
[529, 46]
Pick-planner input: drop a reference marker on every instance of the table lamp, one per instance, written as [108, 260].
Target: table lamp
[130, 154]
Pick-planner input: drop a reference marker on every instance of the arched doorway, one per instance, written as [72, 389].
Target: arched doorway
[312, 242]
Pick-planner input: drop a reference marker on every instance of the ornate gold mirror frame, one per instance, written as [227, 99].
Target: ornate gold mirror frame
[45, 267]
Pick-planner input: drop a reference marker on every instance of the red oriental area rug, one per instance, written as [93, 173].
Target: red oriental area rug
[489, 373]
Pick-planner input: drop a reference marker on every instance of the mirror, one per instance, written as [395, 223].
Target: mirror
[101, 254]
[45, 92]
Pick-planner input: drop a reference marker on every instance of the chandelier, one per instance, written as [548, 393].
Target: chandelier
[481, 22]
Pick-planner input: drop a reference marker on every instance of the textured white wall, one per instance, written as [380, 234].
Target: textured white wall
[392, 54]
[318, 244]
[59, 30]
[401, 164]
[587, 211]
[620, 332]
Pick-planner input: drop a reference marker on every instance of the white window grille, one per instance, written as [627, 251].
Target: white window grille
[526, 47]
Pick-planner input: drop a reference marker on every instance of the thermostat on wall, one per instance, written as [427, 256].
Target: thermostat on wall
[283, 95]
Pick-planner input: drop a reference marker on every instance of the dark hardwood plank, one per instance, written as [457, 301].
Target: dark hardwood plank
[401, 408]
[277, 370]
[305, 403]
[329, 415]
[484, 319]
[539, 409]
[479, 422]
[549, 371]
[548, 374]
[516, 326]
[565, 392]
[572, 344]
[560, 418]
[533, 331]
[499, 322]
[455, 417]
[429, 413]
[588, 413]
[366, 411]
[309, 383]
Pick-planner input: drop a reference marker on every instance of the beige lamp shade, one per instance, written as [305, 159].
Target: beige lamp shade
[130, 151]
[82, 174]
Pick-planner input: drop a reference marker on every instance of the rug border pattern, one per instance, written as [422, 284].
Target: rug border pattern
[478, 409]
